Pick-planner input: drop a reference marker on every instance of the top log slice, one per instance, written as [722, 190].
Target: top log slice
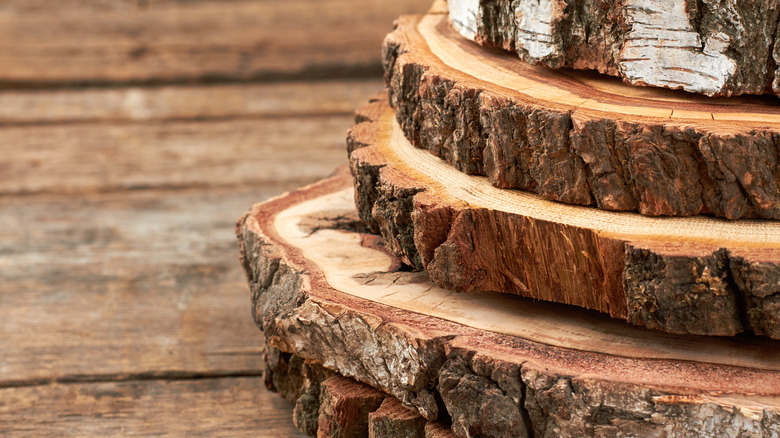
[715, 48]
[581, 138]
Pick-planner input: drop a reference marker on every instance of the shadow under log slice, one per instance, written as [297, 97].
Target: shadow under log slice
[697, 275]
[332, 295]
[581, 138]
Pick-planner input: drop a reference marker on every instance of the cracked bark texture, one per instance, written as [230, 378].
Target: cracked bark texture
[656, 166]
[298, 381]
[688, 287]
[471, 375]
[713, 47]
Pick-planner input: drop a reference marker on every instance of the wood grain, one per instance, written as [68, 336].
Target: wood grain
[579, 138]
[182, 140]
[184, 102]
[239, 407]
[304, 260]
[680, 275]
[181, 154]
[153, 42]
[724, 49]
[124, 285]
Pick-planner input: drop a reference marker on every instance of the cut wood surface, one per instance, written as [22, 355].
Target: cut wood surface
[723, 48]
[695, 275]
[113, 42]
[236, 407]
[330, 294]
[581, 138]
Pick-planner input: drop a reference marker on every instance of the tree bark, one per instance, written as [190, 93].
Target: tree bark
[577, 139]
[718, 48]
[714, 277]
[325, 292]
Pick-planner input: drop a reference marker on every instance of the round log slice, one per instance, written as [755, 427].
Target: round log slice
[581, 138]
[490, 363]
[698, 275]
[715, 48]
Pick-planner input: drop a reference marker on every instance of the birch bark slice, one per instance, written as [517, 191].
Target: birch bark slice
[580, 138]
[694, 275]
[714, 48]
[331, 295]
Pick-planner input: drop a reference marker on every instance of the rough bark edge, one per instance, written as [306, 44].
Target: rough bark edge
[657, 168]
[552, 400]
[597, 35]
[490, 397]
[714, 292]
[314, 390]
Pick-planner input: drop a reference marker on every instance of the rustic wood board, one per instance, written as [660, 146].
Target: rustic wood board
[238, 407]
[184, 102]
[332, 295]
[727, 48]
[147, 42]
[182, 154]
[697, 275]
[123, 285]
[580, 138]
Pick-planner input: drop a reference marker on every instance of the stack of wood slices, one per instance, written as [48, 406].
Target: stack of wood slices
[582, 240]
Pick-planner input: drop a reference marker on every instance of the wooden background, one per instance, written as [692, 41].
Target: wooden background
[132, 136]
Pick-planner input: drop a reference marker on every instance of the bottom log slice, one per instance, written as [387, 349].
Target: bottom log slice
[488, 364]
[695, 275]
[342, 407]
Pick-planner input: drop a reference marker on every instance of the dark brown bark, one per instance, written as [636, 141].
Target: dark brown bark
[655, 165]
[299, 381]
[687, 287]
[473, 375]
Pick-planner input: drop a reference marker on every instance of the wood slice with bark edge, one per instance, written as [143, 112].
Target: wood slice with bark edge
[724, 48]
[697, 275]
[581, 138]
[331, 294]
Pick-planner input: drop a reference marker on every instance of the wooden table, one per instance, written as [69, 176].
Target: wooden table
[132, 136]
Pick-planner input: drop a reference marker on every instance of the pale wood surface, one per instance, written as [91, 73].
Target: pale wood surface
[123, 308]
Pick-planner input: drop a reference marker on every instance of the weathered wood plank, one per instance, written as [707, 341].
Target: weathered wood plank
[331, 294]
[239, 407]
[88, 158]
[198, 40]
[184, 102]
[124, 285]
